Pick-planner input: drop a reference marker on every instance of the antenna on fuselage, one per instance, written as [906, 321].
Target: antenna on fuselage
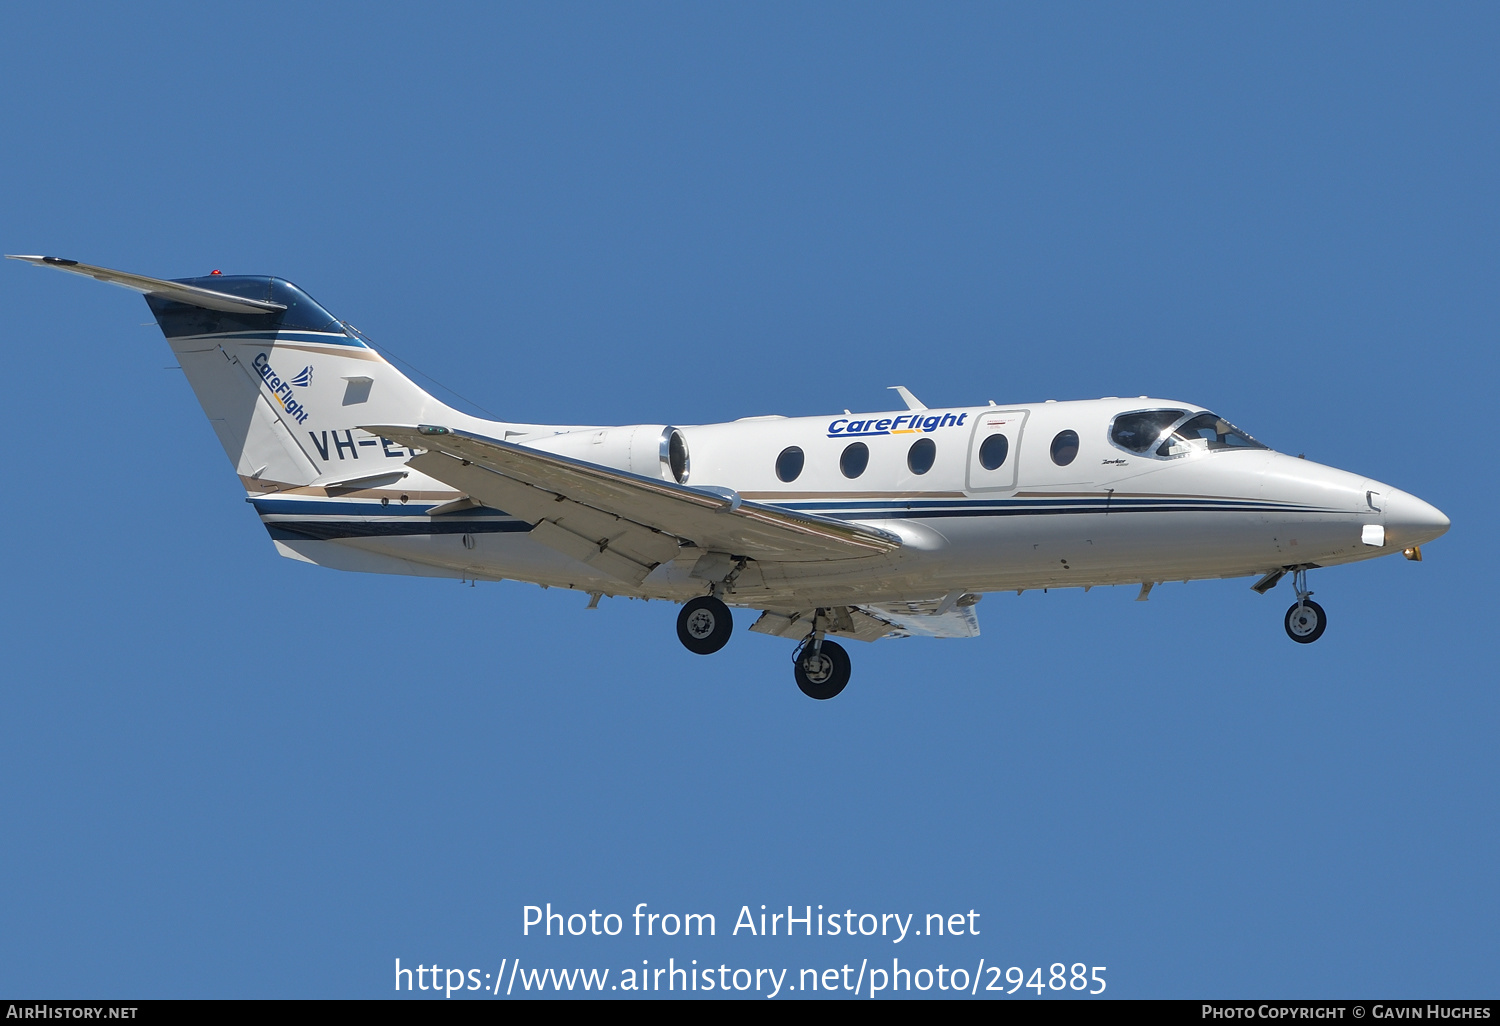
[912, 402]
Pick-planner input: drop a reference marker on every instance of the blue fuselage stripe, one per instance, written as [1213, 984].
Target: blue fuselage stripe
[348, 508]
[333, 519]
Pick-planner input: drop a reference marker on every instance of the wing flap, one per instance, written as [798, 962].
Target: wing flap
[929, 619]
[586, 499]
[613, 544]
[860, 626]
[934, 618]
[597, 554]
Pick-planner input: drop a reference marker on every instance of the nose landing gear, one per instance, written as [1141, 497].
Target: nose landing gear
[1305, 621]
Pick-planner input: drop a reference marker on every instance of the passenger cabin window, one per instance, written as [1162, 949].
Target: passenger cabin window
[992, 452]
[1205, 431]
[854, 460]
[920, 456]
[1140, 432]
[789, 464]
[1065, 448]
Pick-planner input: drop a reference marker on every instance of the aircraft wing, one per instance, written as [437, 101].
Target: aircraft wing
[622, 523]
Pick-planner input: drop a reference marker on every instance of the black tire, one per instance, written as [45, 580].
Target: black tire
[704, 625]
[1306, 626]
[829, 674]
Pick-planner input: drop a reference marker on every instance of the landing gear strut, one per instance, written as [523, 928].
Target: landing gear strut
[822, 674]
[1306, 620]
[820, 666]
[704, 625]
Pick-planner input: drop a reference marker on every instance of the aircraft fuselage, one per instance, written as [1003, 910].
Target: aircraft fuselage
[1108, 515]
[854, 525]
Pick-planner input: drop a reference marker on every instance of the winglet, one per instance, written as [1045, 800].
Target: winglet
[192, 295]
[912, 402]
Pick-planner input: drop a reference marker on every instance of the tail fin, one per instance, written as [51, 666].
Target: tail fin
[281, 379]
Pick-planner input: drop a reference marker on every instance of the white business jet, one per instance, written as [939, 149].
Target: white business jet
[861, 526]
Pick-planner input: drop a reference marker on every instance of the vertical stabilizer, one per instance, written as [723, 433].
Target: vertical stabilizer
[282, 380]
[284, 387]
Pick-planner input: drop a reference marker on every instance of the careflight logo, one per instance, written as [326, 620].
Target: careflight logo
[282, 389]
[906, 424]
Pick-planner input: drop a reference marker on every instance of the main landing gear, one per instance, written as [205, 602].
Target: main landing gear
[1306, 620]
[821, 667]
[704, 625]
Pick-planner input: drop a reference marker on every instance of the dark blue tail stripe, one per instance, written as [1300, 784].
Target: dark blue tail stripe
[330, 530]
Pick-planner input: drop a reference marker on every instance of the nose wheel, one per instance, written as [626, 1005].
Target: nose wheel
[704, 625]
[1306, 620]
[822, 669]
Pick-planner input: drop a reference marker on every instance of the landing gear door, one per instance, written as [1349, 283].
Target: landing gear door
[994, 448]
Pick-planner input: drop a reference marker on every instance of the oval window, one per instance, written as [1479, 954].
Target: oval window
[1065, 448]
[920, 456]
[854, 460]
[789, 463]
[992, 452]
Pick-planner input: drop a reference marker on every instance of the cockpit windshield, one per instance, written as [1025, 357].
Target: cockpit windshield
[1139, 432]
[1168, 433]
[1205, 431]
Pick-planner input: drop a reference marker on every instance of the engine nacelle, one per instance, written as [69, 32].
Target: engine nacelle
[650, 450]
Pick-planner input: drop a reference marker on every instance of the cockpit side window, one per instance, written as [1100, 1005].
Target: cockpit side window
[1140, 432]
[1206, 431]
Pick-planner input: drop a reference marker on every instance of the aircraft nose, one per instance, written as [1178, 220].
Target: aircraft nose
[1410, 521]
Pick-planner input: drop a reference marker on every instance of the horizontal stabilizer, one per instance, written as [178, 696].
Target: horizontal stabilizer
[354, 484]
[191, 295]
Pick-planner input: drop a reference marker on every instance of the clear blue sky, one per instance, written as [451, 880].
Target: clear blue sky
[229, 774]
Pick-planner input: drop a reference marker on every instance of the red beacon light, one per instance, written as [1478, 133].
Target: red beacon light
[215, 271]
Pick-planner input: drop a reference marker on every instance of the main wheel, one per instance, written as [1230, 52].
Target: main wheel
[1305, 622]
[824, 675]
[704, 625]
